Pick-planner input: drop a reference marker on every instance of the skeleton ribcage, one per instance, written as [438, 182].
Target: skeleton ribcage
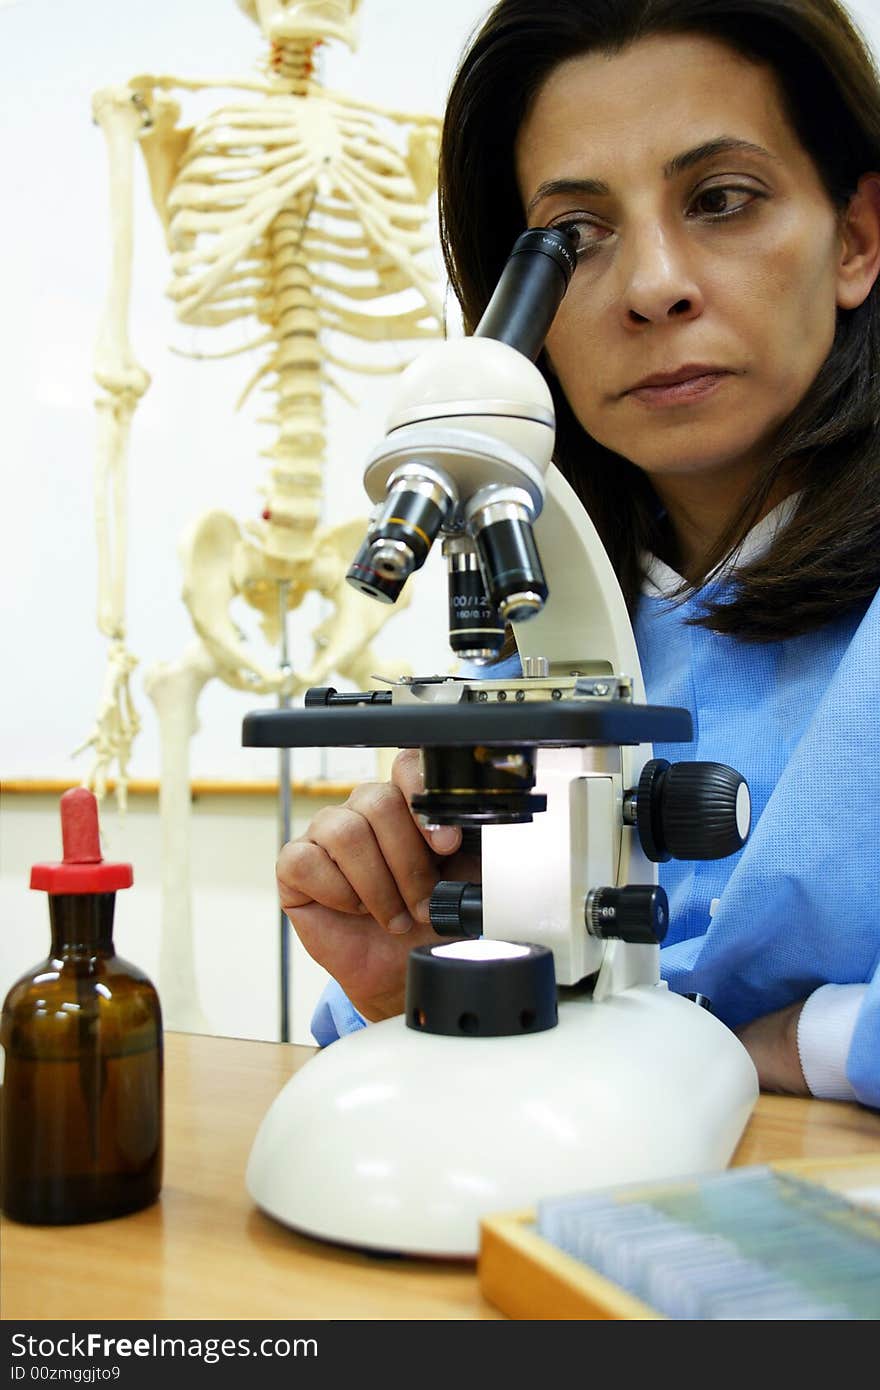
[350, 216]
[300, 214]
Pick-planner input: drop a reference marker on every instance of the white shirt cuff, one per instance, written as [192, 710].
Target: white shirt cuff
[824, 1034]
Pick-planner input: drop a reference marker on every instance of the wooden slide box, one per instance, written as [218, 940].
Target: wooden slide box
[528, 1278]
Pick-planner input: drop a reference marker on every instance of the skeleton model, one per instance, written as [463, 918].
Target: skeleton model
[292, 207]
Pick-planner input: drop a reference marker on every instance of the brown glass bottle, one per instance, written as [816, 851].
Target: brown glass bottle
[81, 1110]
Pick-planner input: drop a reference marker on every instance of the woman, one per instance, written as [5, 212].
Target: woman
[715, 366]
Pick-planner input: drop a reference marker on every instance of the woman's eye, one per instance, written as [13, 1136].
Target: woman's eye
[585, 235]
[721, 201]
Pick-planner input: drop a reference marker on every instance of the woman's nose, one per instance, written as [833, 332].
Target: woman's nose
[658, 280]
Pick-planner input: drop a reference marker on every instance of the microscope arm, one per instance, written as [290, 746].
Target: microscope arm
[580, 842]
[586, 628]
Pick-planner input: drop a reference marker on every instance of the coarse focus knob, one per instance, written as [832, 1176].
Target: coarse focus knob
[637, 913]
[691, 810]
[456, 909]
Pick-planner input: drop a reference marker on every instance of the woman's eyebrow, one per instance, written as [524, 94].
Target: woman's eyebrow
[679, 164]
[594, 188]
[722, 144]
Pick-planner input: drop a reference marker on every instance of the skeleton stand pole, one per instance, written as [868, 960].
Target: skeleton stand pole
[284, 823]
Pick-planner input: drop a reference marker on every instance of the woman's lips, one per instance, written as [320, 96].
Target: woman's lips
[692, 389]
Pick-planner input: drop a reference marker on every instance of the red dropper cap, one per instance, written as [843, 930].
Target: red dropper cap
[83, 870]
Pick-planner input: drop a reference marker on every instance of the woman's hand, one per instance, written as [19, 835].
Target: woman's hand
[356, 886]
[771, 1042]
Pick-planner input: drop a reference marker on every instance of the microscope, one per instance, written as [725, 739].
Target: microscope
[539, 1052]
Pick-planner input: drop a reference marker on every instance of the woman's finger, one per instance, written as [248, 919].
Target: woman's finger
[401, 842]
[407, 774]
[305, 873]
[349, 839]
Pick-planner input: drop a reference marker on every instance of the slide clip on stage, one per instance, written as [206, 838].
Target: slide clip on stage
[539, 1052]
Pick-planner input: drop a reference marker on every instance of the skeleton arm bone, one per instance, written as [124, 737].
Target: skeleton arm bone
[122, 122]
[116, 726]
[122, 380]
[123, 119]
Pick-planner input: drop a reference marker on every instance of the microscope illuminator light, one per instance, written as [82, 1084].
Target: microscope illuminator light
[481, 989]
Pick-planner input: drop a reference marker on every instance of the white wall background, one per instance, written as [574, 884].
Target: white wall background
[189, 451]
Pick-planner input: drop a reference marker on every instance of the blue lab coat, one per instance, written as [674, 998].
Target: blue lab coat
[799, 906]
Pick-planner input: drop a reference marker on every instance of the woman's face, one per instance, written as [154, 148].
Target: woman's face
[704, 301]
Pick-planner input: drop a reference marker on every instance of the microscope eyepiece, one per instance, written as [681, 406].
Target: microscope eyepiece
[530, 290]
[559, 243]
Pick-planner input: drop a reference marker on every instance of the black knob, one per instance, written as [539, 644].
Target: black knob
[456, 909]
[638, 913]
[691, 810]
[319, 695]
[322, 695]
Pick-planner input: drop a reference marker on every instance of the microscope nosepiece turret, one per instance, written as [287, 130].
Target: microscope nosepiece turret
[469, 439]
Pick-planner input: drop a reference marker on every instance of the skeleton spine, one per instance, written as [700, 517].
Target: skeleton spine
[293, 61]
[293, 496]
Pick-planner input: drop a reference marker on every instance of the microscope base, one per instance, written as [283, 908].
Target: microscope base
[402, 1141]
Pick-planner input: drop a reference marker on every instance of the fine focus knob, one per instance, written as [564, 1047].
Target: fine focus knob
[691, 810]
[638, 913]
[456, 909]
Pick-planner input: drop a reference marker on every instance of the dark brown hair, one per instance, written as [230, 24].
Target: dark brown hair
[828, 558]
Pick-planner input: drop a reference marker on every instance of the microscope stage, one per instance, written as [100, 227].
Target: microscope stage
[549, 723]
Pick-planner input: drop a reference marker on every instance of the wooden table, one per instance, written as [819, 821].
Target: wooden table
[204, 1251]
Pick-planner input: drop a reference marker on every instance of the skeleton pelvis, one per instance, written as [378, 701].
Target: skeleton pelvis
[222, 562]
[257, 573]
[209, 551]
